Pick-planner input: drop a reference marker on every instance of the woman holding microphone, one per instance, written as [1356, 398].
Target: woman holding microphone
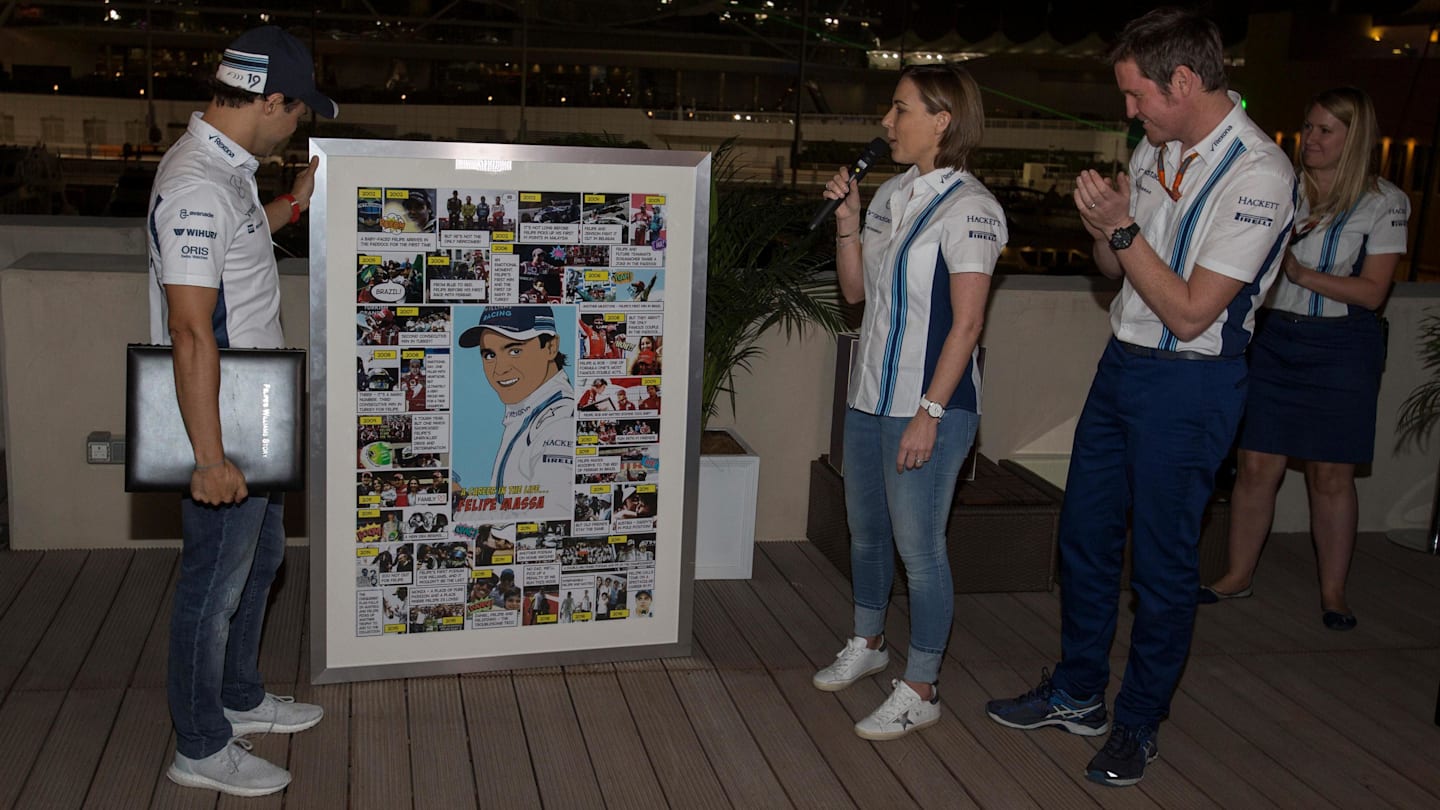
[920, 257]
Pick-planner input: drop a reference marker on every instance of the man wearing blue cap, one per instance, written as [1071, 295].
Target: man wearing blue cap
[215, 284]
[520, 349]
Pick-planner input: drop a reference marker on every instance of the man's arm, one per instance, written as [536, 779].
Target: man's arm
[1187, 307]
[279, 210]
[197, 387]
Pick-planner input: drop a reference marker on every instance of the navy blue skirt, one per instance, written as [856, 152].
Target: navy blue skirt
[1313, 387]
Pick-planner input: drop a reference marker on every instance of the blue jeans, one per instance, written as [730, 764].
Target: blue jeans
[906, 511]
[1151, 436]
[229, 559]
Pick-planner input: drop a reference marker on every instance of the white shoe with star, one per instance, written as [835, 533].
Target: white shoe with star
[901, 713]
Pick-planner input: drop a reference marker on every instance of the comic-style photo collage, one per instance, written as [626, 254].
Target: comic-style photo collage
[509, 353]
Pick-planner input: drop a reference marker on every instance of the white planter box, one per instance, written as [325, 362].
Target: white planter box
[725, 514]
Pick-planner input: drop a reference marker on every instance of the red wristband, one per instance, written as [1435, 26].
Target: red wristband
[294, 207]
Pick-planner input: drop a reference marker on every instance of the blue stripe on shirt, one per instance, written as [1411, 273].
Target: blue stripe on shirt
[1355, 270]
[899, 302]
[1190, 222]
[942, 318]
[1328, 252]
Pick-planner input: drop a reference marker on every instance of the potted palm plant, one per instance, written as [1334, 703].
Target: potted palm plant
[1419, 414]
[765, 271]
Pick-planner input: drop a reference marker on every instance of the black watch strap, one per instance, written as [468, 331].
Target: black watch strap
[1123, 237]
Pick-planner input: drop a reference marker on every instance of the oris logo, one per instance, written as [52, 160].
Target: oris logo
[195, 251]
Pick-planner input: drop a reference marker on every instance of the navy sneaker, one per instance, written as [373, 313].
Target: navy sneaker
[1046, 705]
[1123, 759]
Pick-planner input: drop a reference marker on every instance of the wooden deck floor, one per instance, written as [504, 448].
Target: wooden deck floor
[1273, 711]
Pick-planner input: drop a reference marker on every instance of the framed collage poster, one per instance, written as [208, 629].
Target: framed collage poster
[504, 369]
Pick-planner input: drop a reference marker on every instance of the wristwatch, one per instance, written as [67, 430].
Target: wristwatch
[935, 409]
[1124, 237]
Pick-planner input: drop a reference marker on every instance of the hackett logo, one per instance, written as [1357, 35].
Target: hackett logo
[1256, 203]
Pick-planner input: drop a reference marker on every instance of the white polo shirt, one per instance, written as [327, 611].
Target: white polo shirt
[207, 228]
[538, 444]
[919, 229]
[1375, 225]
[1237, 201]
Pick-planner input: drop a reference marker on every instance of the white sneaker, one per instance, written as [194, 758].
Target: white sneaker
[274, 715]
[901, 713]
[851, 664]
[232, 769]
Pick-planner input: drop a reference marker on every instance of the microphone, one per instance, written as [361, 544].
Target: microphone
[875, 151]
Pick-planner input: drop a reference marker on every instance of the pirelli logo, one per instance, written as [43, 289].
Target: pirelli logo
[983, 235]
[1254, 219]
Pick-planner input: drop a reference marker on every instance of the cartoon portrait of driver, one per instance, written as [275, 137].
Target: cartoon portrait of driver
[520, 353]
